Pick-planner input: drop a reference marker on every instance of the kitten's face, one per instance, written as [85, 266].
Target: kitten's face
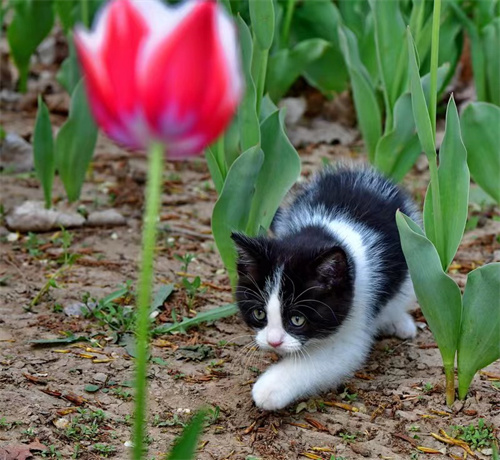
[292, 291]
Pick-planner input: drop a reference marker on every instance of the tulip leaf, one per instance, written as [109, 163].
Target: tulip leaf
[279, 172]
[185, 446]
[320, 19]
[69, 73]
[392, 60]
[43, 151]
[32, 22]
[438, 295]
[490, 41]
[419, 105]
[398, 150]
[365, 99]
[247, 112]
[286, 65]
[479, 343]
[75, 144]
[233, 206]
[483, 145]
[453, 175]
[262, 17]
[214, 169]
[68, 13]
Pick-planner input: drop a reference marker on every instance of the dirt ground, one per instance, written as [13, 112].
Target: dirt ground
[76, 398]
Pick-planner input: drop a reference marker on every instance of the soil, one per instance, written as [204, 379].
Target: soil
[48, 393]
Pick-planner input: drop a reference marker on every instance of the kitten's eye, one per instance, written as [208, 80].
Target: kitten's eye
[259, 314]
[297, 320]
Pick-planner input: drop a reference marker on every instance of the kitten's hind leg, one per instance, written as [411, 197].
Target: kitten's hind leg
[394, 318]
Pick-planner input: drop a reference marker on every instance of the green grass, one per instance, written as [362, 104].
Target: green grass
[478, 436]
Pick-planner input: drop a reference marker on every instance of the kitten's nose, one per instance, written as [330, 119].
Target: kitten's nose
[275, 343]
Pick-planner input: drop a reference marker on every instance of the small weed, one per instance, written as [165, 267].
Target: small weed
[29, 433]
[33, 243]
[86, 425]
[51, 452]
[348, 437]
[121, 393]
[186, 260]
[104, 449]
[414, 428]
[212, 416]
[174, 420]
[428, 387]
[57, 308]
[335, 457]
[4, 424]
[193, 289]
[347, 396]
[179, 376]
[477, 436]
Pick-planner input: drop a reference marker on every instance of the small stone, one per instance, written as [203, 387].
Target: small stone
[110, 217]
[12, 237]
[79, 308]
[100, 377]
[61, 423]
[360, 449]
[32, 216]
[16, 155]
[295, 108]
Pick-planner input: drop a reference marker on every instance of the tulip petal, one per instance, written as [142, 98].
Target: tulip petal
[186, 85]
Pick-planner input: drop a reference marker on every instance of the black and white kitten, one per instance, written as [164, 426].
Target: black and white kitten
[332, 279]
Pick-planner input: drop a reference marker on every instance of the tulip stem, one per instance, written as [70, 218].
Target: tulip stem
[85, 13]
[261, 56]
[285, 33]
[153, 197]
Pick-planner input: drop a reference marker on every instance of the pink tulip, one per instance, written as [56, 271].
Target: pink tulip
[160, 73]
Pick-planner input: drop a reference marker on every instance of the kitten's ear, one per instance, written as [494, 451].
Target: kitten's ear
[251, 252]
[331, 267]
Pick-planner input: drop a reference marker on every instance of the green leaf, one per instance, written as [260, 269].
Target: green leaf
[214, 169]
[32, 21]
[262, 17]
[479, 343]
[483, 145]
[64, 340]
[161, 295]
[232, 209]
[419, 105]
[438, 295]
[392, 60]
[90, 388]
[69, 73]
[320, 19]
[68, 13]
[279, 172]
[365, 99]
[185, 446]
[75, 144]
[43, 151]
[454, 179]
[398, 150]
[286, 65]
[248, 119]
[490, 41]
[211, 315]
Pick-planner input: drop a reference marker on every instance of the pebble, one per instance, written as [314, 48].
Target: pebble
[79, 308]
[108, 217]
[100, 377]
[32, 216]
[295, 108]
[16, 155]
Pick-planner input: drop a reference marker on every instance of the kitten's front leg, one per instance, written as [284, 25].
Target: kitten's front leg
[275, 389]
[320, 368]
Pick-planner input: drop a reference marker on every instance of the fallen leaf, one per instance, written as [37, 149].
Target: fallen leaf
[315, 423]
[75, 399]
[344, 406]
[20, 451]
[34, 379]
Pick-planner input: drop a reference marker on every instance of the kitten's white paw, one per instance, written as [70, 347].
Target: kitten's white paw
[405, 327]
[272, 390]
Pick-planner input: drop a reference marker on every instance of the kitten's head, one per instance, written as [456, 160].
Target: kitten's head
[294, 289]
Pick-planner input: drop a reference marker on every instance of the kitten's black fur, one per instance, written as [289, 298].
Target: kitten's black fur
[311, 256]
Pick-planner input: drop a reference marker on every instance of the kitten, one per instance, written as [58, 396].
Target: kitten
[332, 279]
